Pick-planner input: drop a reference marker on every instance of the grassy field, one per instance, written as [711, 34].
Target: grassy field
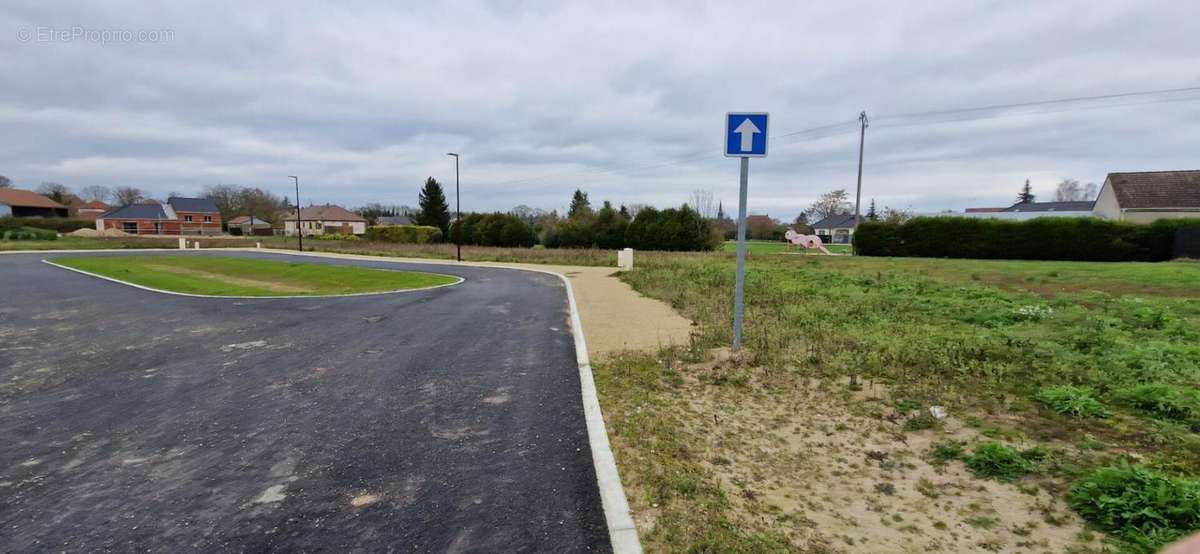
[1071, 390]
[245, 277]
[778, 247]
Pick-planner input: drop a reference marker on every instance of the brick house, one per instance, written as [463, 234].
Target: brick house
[179, 216]
[89, 210]
[197, 216]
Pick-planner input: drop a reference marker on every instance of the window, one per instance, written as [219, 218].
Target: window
[187, 218]
[129, 227]
[208, 219]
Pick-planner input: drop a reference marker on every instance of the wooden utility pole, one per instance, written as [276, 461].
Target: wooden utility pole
[862, 135]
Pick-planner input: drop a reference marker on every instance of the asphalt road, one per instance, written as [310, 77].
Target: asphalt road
[446, 420]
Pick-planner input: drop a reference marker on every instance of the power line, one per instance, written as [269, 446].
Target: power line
[931, 117]
[1056, 102]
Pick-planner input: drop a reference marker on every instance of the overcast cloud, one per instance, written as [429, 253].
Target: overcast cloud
[624, 100]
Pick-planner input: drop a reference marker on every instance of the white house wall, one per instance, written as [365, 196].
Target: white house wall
[1106, 205]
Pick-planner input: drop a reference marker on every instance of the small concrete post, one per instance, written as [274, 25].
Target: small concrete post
[182, 243]
[258, 245]
[625, 259]
[196, 244]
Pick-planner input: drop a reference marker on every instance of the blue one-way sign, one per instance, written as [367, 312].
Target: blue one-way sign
[746, 135]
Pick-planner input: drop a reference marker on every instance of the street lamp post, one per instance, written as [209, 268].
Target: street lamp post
[457, 209]
[299, 230]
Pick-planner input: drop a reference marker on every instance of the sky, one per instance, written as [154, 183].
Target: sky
[625, 100]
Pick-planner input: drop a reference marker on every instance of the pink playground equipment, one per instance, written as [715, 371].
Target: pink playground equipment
[805, 241]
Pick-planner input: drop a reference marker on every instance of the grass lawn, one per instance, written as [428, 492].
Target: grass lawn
[248, 277]
[778, 247]
[1084, 375]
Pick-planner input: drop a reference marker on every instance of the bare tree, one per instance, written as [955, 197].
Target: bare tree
[1090, 191]
[527, 214]
[896, 215]
[1068, 190]
[57, 192]
[834, 202]
[97, 193]
[5, 182]
[704, 202]
[125, 196]
[633, 209]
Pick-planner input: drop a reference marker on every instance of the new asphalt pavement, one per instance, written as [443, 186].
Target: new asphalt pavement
[446, 420]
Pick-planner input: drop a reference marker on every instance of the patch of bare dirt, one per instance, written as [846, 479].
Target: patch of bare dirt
[833, 470]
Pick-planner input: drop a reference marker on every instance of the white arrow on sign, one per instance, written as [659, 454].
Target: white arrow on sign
[747, 130]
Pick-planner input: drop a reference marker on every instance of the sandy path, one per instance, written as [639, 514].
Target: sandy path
[616, 317]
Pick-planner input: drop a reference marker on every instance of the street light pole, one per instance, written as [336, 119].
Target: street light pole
[457, 209]
[299, 230]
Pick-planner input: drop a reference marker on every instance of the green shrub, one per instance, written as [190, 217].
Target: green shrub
[1161, 400]
[920, 422]
[1072, 401]
[674, 229]
[1046, 238]
[997, 461]
[946, 451]
[494, 229]
[27, 233]
[409, 234]
[1141, 507]
[333, 236]
[56, 224]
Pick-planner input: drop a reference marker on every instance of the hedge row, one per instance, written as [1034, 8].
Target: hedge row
[412, 234]
[28, 233]
[58, 224]
[495, 229]
[674, 229]
[1047, 238]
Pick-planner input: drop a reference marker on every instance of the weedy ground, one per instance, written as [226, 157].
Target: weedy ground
[1064, 382]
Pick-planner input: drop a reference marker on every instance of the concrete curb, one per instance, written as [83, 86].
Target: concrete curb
[621, 530]
[190, 295]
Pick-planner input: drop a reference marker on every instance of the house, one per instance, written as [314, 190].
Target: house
[140, 219]
[395, 220]
[1024, 211]
[320, 220]
[178, 216]
[197, 216]
[247, 225]
[839, 228]
[1083, 207]
[26, 203]
[89, 210]
[1147, 196]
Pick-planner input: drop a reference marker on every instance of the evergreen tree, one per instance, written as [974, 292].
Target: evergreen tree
[872, 215]
[720, 212]
[435, 212]
[624, 211]
[580, 206]
[1026, 194]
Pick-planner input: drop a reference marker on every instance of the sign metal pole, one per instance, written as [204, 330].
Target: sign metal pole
[740, 280]
[745, 138]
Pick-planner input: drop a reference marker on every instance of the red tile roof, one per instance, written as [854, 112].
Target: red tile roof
[93, 205]
[26, 199]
